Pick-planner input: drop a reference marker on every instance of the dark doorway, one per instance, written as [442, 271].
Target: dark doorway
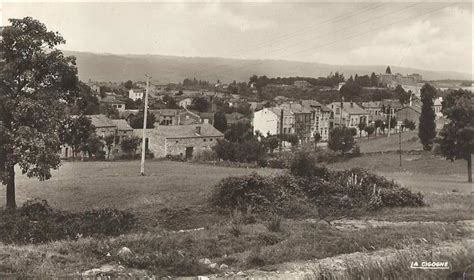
[189, 152]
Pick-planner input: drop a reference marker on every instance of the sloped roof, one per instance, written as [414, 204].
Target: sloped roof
[101, 121]
[111, 100]
[277, 111]
[314, 103]
[351, 108]
[187, 131]
[122, 125]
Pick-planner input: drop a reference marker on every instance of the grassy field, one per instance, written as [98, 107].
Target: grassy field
[174, 196]
[382, 143]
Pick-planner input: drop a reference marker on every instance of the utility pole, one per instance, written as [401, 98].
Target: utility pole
[281, 130]
[145, 111]
[389, 120]
[400, 145]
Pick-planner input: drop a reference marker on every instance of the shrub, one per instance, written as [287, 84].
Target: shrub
[251, 191]
[274, 225]
[304, 165]
[206, 156]
[37, 222]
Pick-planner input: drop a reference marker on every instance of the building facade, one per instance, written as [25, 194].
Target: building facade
[184, 141]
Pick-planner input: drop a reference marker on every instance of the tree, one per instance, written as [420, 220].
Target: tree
[369, 129]
[109, 111]
[456, 139]
[374, 81]
[271, 142]
[341, 139]
[109, 142]
[200, 104]
[239, 132]
[75, 131]
[220, 121]
[93, 146]
[403, 96]
[409, 124]
[316, 138]
[36, 80]
[130, 144]
[136, 121]
[378, 124]
[128, 84]
[362, 125]
[427, 126]
[170, 102]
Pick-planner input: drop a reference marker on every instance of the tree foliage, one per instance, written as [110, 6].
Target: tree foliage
[456, 139]
[220, 121]
[403, 96]
[36, 80]
[136, 121]
[200, 104]
[75, 131]
[427, 126]
[130, 144]
[341, 139]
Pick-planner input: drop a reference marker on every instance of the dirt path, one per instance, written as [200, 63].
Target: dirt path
[342, 266]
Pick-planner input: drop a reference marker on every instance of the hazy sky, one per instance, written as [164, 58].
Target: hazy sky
[435, 36]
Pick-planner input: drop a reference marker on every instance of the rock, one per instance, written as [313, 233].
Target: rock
[205, 261]
[223, 266]
[124, 252]
[105, 269]
[240, 273]
[323, 223]
[213, 265]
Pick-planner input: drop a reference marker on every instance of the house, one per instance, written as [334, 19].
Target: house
[166, 116]
[185, 102]
[302, 84]
[105, 127]
[184, 140]
[236, 117]
[348, 114]
[115, 103]
[411, 113]
[302, 118]
[268, 121]
[135, 94]
[320, 117]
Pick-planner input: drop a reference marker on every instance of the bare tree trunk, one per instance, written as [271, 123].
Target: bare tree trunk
[469, 168]
[11, 203]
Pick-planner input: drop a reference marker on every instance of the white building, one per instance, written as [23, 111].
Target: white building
[135, 94]
[265, 121]
[185, 103]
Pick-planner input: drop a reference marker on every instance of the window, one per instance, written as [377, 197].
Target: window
[204, 139]
[176, 141]
[210, 139]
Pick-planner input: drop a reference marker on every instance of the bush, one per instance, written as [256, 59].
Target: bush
[206, 156]
[274, 225]
[304, 165]
[330, 193]
[37, 222]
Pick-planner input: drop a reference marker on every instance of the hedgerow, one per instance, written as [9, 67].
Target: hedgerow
[37, 222]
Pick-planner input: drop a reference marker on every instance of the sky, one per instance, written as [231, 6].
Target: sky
[425, 35]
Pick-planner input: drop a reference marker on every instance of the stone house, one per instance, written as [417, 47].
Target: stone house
[348, 114]
[103, 128]
[184, 140]
[320, 118]
[115, 103]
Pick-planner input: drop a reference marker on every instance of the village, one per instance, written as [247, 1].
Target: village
[183, 114]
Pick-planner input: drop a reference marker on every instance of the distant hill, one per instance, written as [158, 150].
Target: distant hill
[110, 67]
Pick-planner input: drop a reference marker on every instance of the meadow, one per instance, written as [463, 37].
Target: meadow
[173, 197]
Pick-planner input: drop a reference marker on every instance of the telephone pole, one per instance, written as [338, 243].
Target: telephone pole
[145, 110]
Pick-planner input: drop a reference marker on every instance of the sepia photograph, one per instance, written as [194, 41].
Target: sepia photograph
[202, 140]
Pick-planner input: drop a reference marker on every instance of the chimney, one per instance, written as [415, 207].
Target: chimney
[198, 130]
[352, 104]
